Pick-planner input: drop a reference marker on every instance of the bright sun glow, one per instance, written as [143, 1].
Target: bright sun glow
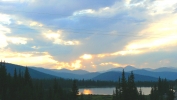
[86, 56]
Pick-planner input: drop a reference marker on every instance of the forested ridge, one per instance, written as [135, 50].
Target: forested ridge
[21, 86]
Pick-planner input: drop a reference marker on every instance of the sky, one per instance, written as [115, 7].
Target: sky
[93, 35]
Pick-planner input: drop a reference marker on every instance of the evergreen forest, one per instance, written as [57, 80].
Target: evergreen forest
[21, 86]
[126, 90]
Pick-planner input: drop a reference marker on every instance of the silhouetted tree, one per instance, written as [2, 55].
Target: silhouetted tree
[141, 96]
[74, 90]
[27, 78]
[171, 94]
[3, 81]
[28, 86]
[132, 90]
[126, 90]
[124, 87]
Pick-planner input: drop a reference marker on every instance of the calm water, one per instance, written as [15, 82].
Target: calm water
[109, 90]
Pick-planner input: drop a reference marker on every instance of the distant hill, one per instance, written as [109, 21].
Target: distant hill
[76, 76]
[165, 69]
[79, 74]
[126, 69]
[131, 68]
[34, 74]
[167, 75]
[65, 73]
[113, 76]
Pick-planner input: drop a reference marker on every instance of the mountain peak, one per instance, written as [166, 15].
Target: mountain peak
[126, 69]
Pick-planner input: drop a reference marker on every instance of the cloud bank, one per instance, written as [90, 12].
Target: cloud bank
[91, 35]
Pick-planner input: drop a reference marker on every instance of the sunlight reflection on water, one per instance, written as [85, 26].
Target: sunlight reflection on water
[109, 90]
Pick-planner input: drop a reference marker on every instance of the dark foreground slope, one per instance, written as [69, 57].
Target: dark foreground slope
[34, 74]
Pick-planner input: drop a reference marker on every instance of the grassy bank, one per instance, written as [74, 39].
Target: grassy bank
[97, 97]
[102, 97]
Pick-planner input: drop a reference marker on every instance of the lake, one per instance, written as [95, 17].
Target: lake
[109, 90]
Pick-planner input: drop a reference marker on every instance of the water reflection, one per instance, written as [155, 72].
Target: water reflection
[87, 91]
[109, 90]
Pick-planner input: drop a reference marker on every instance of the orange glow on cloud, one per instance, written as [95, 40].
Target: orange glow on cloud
[72, 65]
[158, 35]
[28, 58]
[113, 64]
[76, 64]
[38, 59]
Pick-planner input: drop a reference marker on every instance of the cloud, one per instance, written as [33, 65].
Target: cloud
[27, 58]
[17, 40]
[3, 42]
[73, 65]
[4, 30]
[5, 19]
[92, 35]
[159, 35]
[113, 64]
[56, 37]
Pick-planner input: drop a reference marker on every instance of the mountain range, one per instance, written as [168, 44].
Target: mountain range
[146, 74]
[34, 73]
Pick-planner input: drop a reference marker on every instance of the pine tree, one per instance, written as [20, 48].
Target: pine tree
[9, 84]
[171, 94]
[13, 89]
[160, 89]
[117, 93]
[141, 96]
[28, 86]
[20, 85]
[27, 78]
[166, 86]
[3, 81]
[50, 94]
[56, 90]
[159, 92]
[154, 93]
[133, 93]
[160, 86]
[74, 91]
[124, 87]
[126, 90]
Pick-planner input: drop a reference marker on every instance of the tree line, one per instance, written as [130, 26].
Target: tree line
[21, 87]
[127, 90]
[162, 91]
